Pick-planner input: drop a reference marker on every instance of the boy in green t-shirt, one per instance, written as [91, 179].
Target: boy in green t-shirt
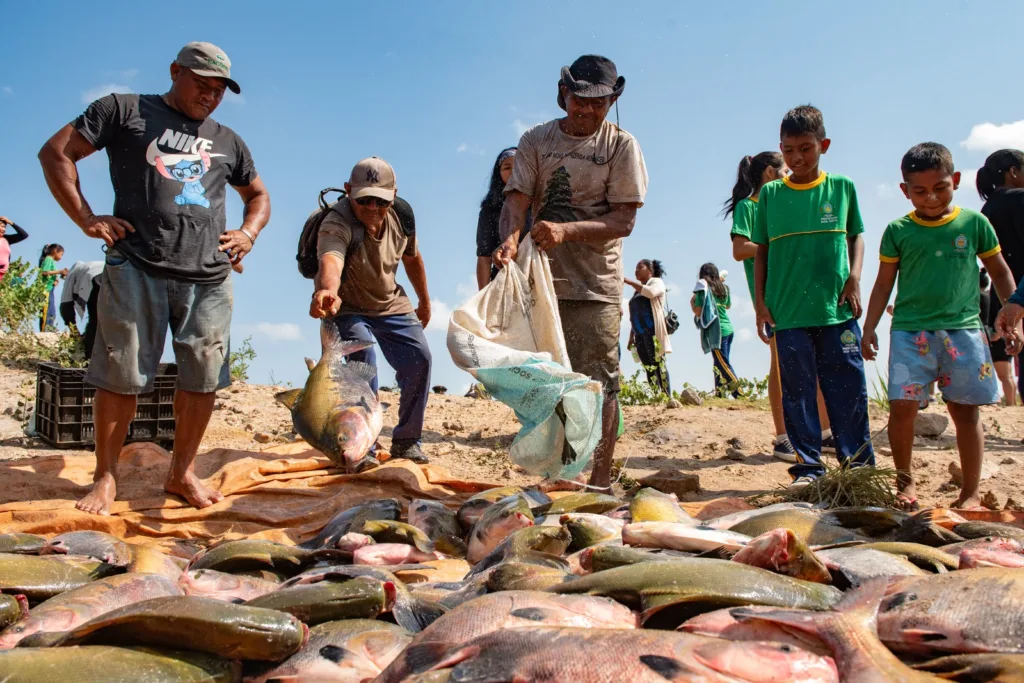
[807, 288]
[936, 331]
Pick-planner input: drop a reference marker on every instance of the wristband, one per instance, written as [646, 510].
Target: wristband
[247, 234]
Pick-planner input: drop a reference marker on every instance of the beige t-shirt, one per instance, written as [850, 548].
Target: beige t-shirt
[574, 179]
[369, 287]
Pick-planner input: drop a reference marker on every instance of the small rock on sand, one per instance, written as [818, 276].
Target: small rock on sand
[930, 425]
[672, 481]
[261, 437]
[988, 470]
[690, 397]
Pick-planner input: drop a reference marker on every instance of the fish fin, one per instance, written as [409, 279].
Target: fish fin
[288, 398]
[310, 364]
[336, 347]
[415, 614]
[456, 657]
[719, 553]
[921, 635]
[340, 556]
[420, 657]
[361, 370]
[864, 601]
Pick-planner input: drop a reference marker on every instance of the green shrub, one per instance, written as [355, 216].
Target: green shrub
[22, 296]
[239, 360]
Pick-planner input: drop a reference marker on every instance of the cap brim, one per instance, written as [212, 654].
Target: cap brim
[373, 191]
[231, 83]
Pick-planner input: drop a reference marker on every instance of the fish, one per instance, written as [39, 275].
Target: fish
[651, 505]
[12, 608]
[41, 578]
[248, 555]
[596, 503]
[352, 518]
[641, 656]
[22, 544]
[498, 611]
[588, 529]
[988, 543]
[387, 531]
[349, 651]
[469, 513]
[68, 610]
[352, 542]
[971, 530]
[849, 631]
[439, 524]
[511, 576]
[103, 664]
[925, 557]
[390, 554]
[314, 603]
[337, 412]
[496, 524]
[920, 529]
[200, 624]
[732, 519]
[411, 612]
[853, 566]
[599, 558]
[95, 544]
[971, 559]
[210, 583]
[695, 585]
[536, 544]
[869, 521]
[723, 623]
[677, 536]
[969, 611]
[149, 560]
[811, 526]
[998, 668]
[782, 552]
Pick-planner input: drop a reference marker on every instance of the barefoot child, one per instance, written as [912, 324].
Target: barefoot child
[936, 327]
[807, 277]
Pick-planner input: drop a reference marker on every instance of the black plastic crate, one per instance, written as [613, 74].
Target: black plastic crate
[64, 408]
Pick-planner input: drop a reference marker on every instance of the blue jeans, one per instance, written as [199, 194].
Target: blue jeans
[829, 356]
[724, 374]
[49, 317]
[405, 348]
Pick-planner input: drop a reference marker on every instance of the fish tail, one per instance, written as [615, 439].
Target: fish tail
[332, 344]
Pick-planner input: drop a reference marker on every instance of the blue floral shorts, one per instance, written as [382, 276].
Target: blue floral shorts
[958, 360]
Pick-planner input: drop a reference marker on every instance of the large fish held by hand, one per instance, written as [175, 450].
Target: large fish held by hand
[337, 412]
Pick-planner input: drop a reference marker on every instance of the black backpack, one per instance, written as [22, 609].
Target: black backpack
[309, 264]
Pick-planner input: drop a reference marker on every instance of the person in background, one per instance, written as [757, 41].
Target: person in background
[807, 285]
[751, 176]
[936, 332]
[648, 333]
[585, 178]
[488, 237]
[169, 255]
[997, 347]
[6, 241]
[48, 271]
[721, 297]
[78, 300]
[1000, 183]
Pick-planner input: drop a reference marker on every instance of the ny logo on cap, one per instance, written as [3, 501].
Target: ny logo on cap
[372, 176]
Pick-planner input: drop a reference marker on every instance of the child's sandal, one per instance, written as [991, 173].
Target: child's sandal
[907, 503]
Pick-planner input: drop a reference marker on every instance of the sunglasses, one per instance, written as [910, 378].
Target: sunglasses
[375, 202]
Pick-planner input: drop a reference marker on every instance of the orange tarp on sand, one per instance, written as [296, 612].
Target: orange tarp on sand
[285, 494]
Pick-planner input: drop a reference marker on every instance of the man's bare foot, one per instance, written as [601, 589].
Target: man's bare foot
[968, 503]
[194, 491]
[99, 500]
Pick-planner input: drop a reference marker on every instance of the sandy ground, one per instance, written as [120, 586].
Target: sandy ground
[471, 437]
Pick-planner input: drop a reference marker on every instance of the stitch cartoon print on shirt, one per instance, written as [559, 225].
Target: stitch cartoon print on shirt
[188, 166]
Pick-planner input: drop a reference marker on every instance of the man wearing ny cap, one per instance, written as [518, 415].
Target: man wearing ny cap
[584, 179]
[357, 288]
[168, 254]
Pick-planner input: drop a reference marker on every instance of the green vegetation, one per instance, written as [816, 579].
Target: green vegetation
[239, 361]
[22, 295]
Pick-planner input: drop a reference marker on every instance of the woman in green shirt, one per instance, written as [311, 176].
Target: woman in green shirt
[725, 377]
[48, 271]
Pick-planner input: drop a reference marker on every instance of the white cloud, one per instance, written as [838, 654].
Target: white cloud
[744, 335]
[6, 91]
[520, 126]
[887, 190]
[439, 314]
[129, 74]
[742, 307]
[280, 331]
[988, 137]
[93, 94]
[465, 290]
[471, 149]
[967, 178]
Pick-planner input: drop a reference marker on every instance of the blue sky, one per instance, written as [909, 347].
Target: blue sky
[439, 88]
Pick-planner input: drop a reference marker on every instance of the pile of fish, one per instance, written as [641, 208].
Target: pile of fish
[517, 586]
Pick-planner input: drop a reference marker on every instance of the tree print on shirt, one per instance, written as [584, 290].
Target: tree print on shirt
[557, 206]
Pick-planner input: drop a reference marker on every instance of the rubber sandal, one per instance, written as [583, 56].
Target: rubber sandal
[907, 503]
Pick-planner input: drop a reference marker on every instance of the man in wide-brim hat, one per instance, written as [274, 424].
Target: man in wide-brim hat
[584, 178]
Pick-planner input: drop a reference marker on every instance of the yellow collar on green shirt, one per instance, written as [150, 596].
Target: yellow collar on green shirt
[948, 218]
[805, 186]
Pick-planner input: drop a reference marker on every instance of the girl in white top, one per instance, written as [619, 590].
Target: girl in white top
[648, 331]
